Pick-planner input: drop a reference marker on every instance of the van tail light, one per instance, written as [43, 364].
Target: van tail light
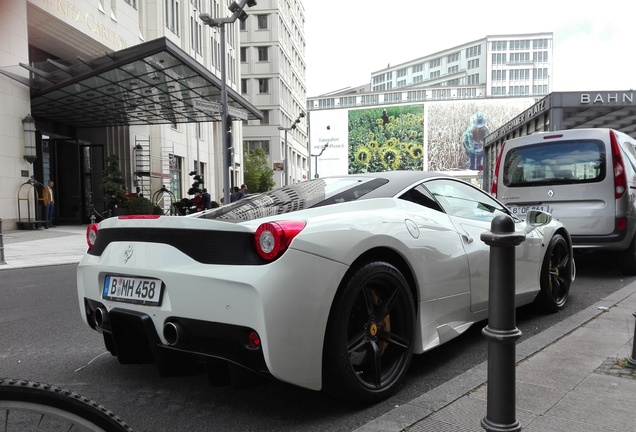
[493, 187]
[621, 224]
[620, 178]
[273, 238]
[91, 235]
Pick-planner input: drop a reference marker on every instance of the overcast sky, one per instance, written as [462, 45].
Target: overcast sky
[594, 42]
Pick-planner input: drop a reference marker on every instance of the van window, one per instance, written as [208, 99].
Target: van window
[562, 162]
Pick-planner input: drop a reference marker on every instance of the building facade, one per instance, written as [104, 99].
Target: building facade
[134, 78]
[273, 68]
[518, 65]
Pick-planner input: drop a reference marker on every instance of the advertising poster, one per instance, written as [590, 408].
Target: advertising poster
[431, 136]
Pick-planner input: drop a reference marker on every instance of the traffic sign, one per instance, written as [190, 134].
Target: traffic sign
[206, 105]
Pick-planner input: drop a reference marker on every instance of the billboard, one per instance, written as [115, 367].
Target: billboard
[431, 136]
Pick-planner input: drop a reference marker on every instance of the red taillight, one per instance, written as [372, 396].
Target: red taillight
[253, 340]
[621, 224]
[620, 178]
[138, 216]
[273, 238]
[91, 235]
[493, 187]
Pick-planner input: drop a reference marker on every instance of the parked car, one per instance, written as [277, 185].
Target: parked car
[586, 178]
[329, 284]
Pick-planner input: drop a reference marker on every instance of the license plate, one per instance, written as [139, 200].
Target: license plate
[522, 211]
[130, 289]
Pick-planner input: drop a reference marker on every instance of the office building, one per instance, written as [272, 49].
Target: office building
[88, 79]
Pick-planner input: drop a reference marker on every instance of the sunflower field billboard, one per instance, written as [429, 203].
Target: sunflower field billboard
[429, 136]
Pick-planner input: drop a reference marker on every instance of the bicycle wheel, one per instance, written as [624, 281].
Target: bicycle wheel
[34, 406]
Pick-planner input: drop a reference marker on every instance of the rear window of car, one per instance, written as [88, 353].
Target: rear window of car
[562, 162]
[298, 196]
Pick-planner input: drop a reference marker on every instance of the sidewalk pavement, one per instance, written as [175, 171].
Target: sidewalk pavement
[42, 247]
[573, 376]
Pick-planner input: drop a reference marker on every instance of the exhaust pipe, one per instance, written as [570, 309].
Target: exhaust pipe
[101, 317]
[174, 333]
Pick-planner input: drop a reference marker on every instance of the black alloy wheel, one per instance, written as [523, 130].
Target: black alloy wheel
[369, 340]
[556, 275]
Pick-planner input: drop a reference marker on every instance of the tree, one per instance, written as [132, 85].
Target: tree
[259, 176]
[113, 184]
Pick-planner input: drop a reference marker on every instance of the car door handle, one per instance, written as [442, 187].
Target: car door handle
[467, 239]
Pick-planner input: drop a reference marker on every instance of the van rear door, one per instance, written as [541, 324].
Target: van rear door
[566, 174]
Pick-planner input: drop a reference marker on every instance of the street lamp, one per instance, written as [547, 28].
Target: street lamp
[287, 129]
[322, 150]
[226, 123]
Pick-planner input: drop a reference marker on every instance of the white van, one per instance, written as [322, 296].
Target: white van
[586, 178]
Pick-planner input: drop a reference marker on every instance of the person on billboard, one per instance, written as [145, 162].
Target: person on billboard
[473, 140]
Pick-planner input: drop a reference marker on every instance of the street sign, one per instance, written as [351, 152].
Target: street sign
[236, 112]
[205, 105]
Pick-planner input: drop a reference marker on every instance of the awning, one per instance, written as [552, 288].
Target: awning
[150, 83]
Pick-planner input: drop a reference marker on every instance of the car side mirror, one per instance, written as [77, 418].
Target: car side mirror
[536, 218]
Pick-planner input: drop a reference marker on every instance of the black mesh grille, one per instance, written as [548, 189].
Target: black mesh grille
[207, 247]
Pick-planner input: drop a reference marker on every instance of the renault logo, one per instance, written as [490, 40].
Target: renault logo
[550, 193]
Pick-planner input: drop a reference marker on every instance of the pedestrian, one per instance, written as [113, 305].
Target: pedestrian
[139, 192]
[206, 200]
[243, 190]
[49, 203]
[198, 201]
[236, 194]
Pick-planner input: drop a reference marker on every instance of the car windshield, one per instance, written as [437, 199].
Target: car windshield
[564, 162]
[299, 196]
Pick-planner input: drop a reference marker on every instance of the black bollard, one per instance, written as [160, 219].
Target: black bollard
[501, 331]
[2, 261]
[631, 361]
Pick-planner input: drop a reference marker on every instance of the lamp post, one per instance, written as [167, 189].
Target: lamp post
[287, 129]
[226, 122]
[322, 150]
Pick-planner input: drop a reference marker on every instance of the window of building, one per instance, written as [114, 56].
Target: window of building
[499, 58]
[499, 45]
[172, 16]
[540, 56]
[263, 53]
[434, 74]
[401, 72]
[417, 95]
[522, 57]
[451, 58]
[265, 120]
[435, 63]
[418, 67]
[176, 164]
[473, 51]
[453, 69]
[326, 103]
[250, 145]
[472, 79]
[348, 101]
[369, 99]
[244, 54]
[418, 79]
[392, 97]
[133, 3]
[472, 64]
[498, 75]
[540, 44]
[263, 85]
[242, 25]
[262, 22]
[401, 83]
[541, 73]
[244, 88]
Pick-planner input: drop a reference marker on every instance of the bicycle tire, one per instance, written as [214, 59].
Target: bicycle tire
[30, 405]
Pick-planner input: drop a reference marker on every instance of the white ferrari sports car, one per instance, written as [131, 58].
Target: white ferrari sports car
[331, 284]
